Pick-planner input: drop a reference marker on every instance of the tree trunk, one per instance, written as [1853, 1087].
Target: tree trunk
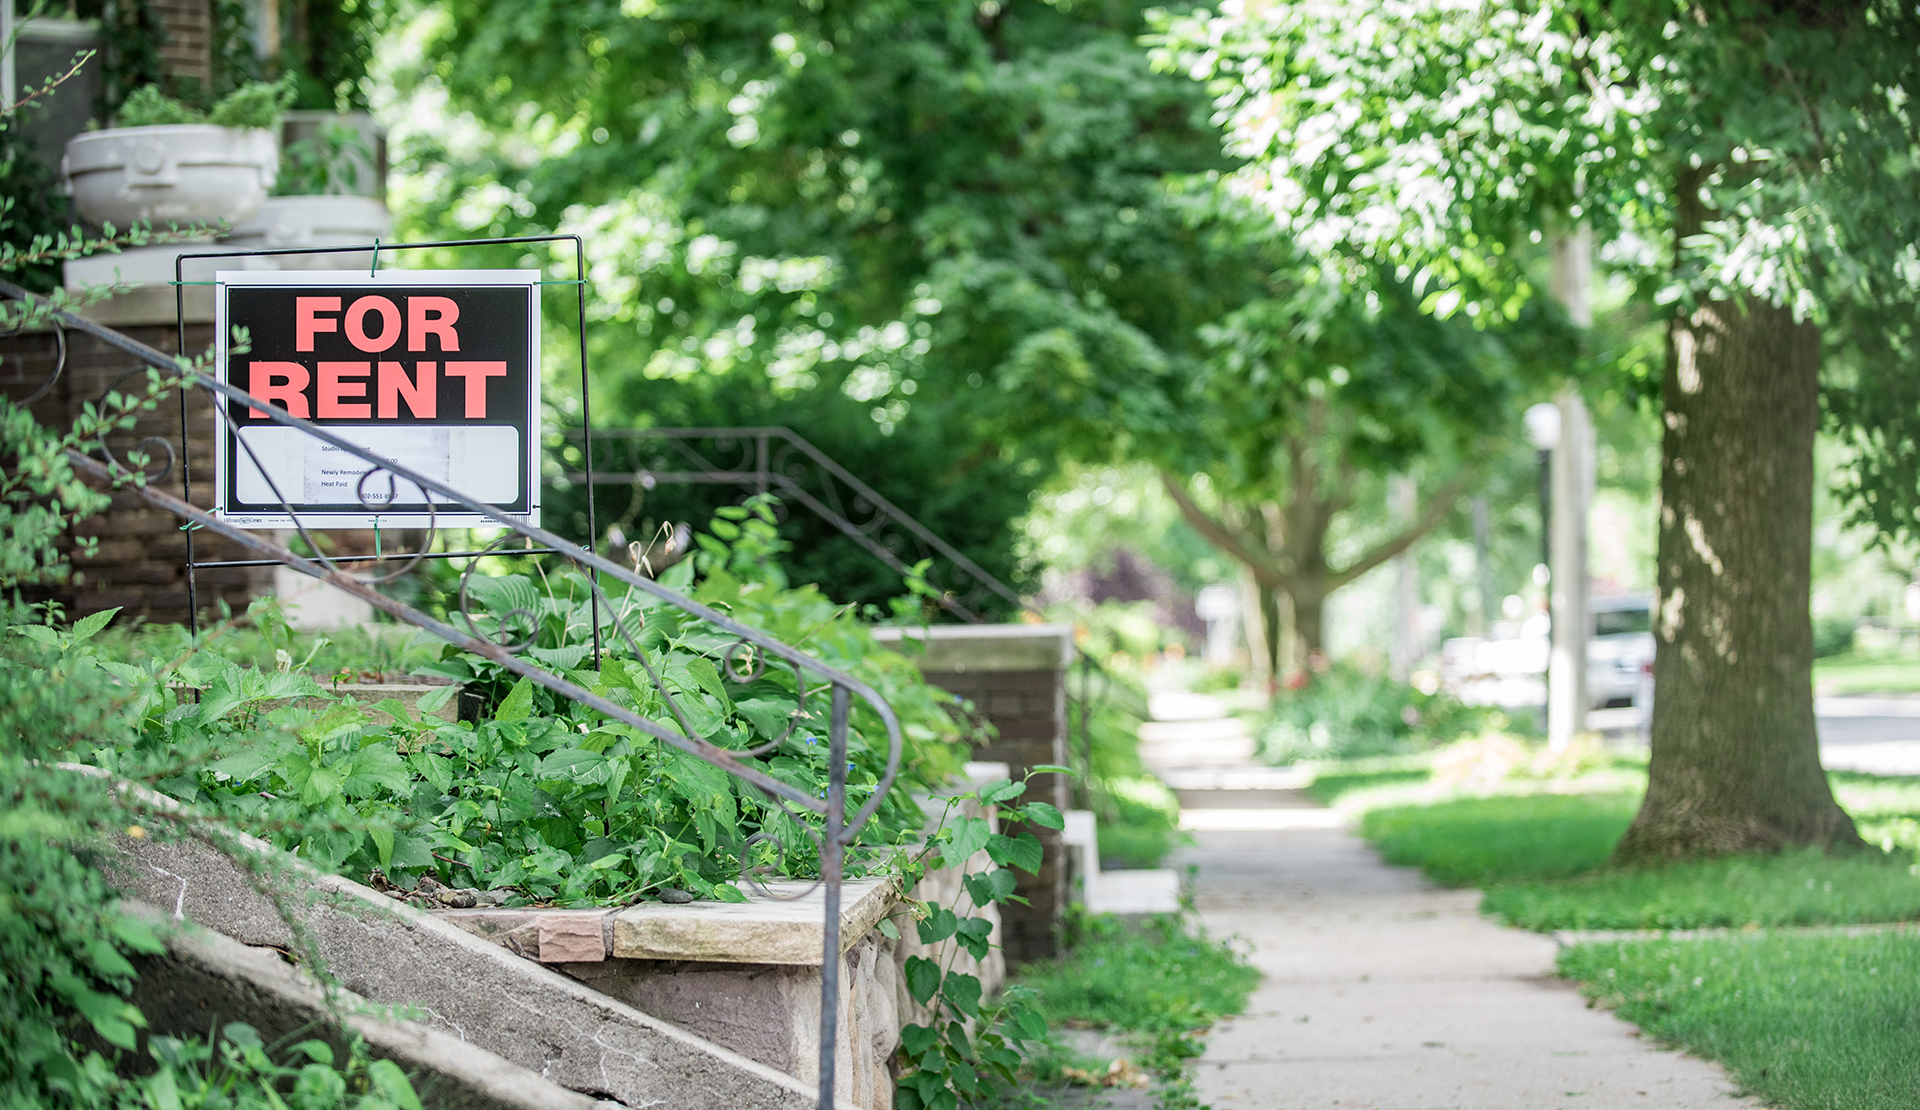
[1309, 625]
[1736, 760]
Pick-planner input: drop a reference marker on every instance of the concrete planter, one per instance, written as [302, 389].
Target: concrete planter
[173, 173]
[747, 975]
[315, 221]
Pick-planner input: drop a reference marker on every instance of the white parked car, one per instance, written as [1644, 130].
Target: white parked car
[1620, 655]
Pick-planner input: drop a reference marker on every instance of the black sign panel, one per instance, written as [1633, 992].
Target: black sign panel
[437, 371]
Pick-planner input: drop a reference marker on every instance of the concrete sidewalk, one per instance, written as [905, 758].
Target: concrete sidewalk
[1383, 992]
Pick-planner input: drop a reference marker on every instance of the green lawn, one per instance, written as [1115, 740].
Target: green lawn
[1542, 859]
[1794, 888]
[1806, 1023]
[1867, 673]
[1503, 838]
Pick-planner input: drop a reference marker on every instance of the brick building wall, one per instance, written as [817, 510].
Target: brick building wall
[140, 564]
[188, 49]
[1015, 676]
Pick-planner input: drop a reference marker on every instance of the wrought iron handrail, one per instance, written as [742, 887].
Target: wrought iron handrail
[839, 831]
[767, 461]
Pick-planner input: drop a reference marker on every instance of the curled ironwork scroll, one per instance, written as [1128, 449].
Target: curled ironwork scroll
[751, 652]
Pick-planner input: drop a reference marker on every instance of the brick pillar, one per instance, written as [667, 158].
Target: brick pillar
[1014, 674]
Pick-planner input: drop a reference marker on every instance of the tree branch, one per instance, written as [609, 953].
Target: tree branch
[1437, 508]
[1217, 533]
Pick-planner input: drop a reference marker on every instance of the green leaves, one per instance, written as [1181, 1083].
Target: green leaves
[1044, 815]
[518, 705]
[87, 627]
[923, 979]
[967, 836]
[1023, 851]
[938, 925]
[1004, 790]
[987, 888]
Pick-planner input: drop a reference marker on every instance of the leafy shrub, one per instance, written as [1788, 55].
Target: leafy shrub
[545, 799]
[1348, 713]
[261, 638]
[1832, 636]
[149, 107]
[254, 105]
[326, 162]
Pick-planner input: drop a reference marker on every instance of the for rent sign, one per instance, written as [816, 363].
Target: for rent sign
[437, 371]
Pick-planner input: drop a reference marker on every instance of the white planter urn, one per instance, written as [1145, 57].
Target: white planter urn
[315, 221]
[170, 173]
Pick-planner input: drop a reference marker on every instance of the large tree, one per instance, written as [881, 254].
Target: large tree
[1314, 395]
[933, 235]
[1754, 162]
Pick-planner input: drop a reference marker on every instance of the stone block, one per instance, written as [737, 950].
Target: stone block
[787, 928]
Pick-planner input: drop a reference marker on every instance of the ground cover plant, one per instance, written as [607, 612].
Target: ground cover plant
[1804, 1022]
[542, 799]
[1161, 985]
[970, 1051]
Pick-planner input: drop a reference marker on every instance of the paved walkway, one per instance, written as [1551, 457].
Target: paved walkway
[1381, 991]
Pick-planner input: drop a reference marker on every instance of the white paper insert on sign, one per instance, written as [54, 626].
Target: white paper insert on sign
[482, 461]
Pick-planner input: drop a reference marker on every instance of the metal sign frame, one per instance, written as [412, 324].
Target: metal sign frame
[238, 464]
[375, 514]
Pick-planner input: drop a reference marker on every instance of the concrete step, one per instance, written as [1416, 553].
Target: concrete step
[1289, 798]
[457, 984]
[205, 980]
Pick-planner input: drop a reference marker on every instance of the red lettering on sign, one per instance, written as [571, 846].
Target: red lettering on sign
[333, 390]
[290, 389]
[357, 324]
[306, 323]
[422, 398]
[420, 325]
[476, 374]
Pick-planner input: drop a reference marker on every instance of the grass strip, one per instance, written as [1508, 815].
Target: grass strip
[1806, 1023]
[1166, 975]
[1542, 859]
[1792, 888]
[1503, 838]
[1161, 984]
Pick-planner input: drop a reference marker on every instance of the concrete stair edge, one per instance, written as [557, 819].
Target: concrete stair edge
[206, 979]
[470, 989]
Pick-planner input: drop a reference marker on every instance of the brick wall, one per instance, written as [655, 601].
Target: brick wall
[1015, 677]
[188, 49]
[141, 561]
